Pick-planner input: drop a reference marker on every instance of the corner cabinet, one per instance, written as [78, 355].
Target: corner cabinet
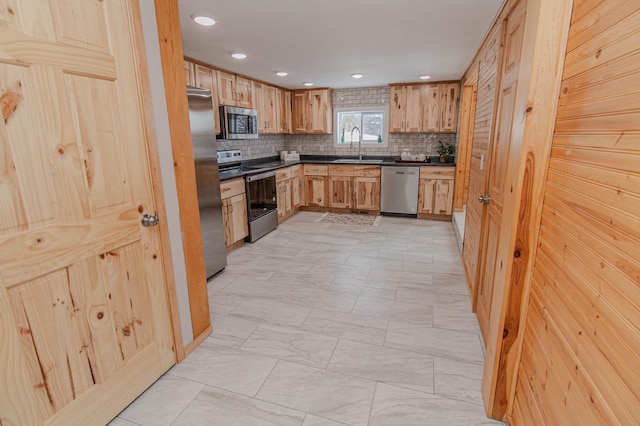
[418, 108]
[435, 192]
[313, 111]
[234, 211]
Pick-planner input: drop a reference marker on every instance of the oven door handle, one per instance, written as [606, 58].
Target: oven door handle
[251, 178]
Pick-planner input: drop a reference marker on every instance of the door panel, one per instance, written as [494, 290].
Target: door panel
[514, 30]
[84, 319]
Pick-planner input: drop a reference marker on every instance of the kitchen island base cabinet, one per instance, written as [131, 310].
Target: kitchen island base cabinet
[234, 212]
[435, 193]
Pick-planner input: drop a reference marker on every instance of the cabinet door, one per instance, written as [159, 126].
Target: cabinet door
[300, 112]
[258, 105]
[227, 221]
[431, 114]
[315, 189]
[226, 87]
[269, 107]
[426, 195]
[397, 108]
[366, 193]
[243, 92]
[413, 114]
[340, 195]
[449, 104]
[296, 192]
[281, 199]
[443, 200]
[321, 120]
[283, 111]
[238, 217]
[189, 75]
[206, 79]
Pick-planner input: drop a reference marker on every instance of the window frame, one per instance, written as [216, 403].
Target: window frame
[362, 109]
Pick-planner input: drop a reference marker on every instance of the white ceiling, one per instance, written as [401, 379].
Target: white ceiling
[325, 41]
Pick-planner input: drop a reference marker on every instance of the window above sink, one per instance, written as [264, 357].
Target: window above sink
[370, 124]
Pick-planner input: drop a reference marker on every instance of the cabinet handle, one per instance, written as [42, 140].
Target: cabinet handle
[230, 208]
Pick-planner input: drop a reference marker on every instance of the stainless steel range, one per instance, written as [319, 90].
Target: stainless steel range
[261, 193]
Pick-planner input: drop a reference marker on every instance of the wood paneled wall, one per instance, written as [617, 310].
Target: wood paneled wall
[580, 360]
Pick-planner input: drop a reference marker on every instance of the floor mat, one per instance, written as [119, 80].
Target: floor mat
[350, 219]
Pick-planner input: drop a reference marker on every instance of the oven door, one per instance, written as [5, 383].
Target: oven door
[262, 204]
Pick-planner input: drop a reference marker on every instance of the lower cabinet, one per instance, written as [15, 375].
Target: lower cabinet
[234, 211]
[435, 196]
[354, 187]
[366, 191]
[288, 191]
[340, 192]
[316, 185]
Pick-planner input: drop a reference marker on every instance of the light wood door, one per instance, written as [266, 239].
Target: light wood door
[397, 108]
[238, 217]
[315, 188]
[242, 92]
[426, 195]
[449, 105]
[340, 195]
[413, 113]
[281, 199]
[300, 112]
[443, 200]
[296, 192]
[366, 193]
[206, 78]
[269, 108]
[320, 114]
[189, 73]
[283, 111]
[83, 300]
[514, 31]
[226, 88]
[258, 105]
[431, 110]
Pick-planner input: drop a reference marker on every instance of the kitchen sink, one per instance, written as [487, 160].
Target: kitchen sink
[355, 161]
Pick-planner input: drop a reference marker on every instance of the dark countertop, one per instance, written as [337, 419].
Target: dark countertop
[260, 165]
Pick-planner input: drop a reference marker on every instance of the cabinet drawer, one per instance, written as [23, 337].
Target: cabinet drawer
[231, 188]
[294, 171]
[437, 172]
[366, 171]
[283, 174]
[340, 170]
[316, 170]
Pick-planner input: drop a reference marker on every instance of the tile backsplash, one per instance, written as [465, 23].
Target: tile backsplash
[270, 145]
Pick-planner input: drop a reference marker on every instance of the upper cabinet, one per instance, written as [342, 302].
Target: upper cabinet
[205, 78]
[312, 111]
[264, 102]
[424, 108]
[283, 111]
[234, 90]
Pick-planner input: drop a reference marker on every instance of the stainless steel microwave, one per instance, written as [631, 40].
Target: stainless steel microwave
[238, 123]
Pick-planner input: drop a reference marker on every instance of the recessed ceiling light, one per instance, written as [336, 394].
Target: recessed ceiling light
[357, 75]
[238, 55]
[204, 20]
[308, 83]
[425, 77]
[282, 73]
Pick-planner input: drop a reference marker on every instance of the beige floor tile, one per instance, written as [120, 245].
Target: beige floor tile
[405, 255]
[291, 344]
[460, 319]
[347, 326]
[324, 257]
[121, 422]
[306, 279]
[431, 296]
[388, 264]
[398, 406]
[413, 278]
[311, 420]
[394, 310]
[458, 380]
[341, 270]
[434, 341]
[226, 368]
[163, 402]
[271, 311]
[289, 264]
[233, 326]
[402, 368]
[216, 407]
[363, 288]
[222, 303]
[323, 393]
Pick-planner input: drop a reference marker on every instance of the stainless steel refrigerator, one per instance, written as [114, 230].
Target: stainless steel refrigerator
[203, 135]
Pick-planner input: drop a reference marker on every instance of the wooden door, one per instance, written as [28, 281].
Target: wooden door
[413, 118]
[206, 78]
[296, 197]
[300, 112]
[189, 73]
[449, 105]
[426, 194]
[366, 193]
[513, 35]
[431, 117]
[397, 108]
[238, 217]
[269, 107]
[443, 200]
[319, 106]
[315, 189]
[258, 105]
[281, 188]
[283, 111]
[83, 300]
[340, 195]
[242, 92]
[226, 88]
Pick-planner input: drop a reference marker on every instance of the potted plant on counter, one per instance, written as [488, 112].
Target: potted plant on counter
[445, 151]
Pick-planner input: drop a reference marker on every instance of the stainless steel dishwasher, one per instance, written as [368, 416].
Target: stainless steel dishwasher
[399, 190]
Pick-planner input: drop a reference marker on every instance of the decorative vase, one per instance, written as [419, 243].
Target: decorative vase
[443, 159]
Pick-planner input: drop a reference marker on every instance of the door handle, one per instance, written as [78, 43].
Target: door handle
[148, 220]
[484, 199]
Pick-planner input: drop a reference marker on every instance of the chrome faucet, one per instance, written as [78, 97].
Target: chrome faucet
[359, 142]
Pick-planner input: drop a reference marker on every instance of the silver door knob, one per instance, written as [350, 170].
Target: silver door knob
[148, 220]
[484, 199]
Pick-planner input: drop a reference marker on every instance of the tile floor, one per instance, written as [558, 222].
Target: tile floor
[328, 324]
